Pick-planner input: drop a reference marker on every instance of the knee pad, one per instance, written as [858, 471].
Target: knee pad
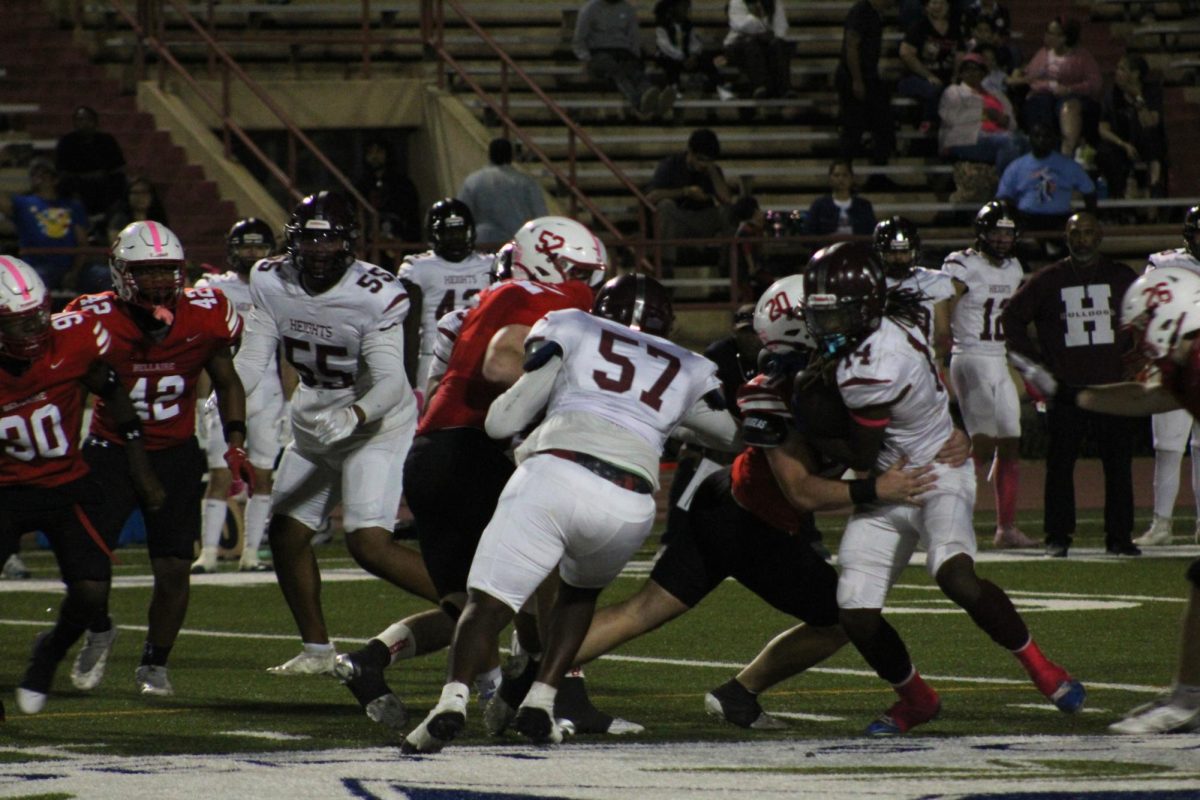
[1193, 573]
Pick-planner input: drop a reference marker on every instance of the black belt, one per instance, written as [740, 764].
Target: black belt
[611, 473]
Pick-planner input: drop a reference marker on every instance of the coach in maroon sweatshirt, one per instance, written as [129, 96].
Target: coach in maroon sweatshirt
[1074, 307]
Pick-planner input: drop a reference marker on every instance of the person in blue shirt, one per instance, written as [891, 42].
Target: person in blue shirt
[43, 218]
[1041, 183]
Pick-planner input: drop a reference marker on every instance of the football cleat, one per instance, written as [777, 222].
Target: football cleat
[153, 680]
[88, 669]
[255, 566]
[497, 714]
[572, 703]
[1158, 533]
[35, 685]
[444, 723]
[30, 701]
[15, 569]
[308, 664]
[737, 706]
[1069, 696]
[538, 725]
[367, 685]
[518, 675]
[1159, 716]
[204, 566]
[1012, 537]
[902, 717]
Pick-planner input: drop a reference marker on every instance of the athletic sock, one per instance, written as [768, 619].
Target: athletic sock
[375, 655]
[1006, 486]
[1167, 466]
[213, 521]
[914, 691]
[258, 509]
[399, 640]
[541, 695]
[155, 655]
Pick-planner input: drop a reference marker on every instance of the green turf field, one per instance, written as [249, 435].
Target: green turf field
[1112, 622]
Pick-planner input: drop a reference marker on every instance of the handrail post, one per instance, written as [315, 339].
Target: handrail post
[226, 111]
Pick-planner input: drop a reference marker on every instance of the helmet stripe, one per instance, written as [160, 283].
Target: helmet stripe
[22, 287]
[155, 237]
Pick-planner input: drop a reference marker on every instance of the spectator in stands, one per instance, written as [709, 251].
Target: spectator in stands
[608, 43]
[842, 211]
[1064, 83]
[930, 47]
[996, 79]
[91, 164]
[679, 49]
[394, 196]
[45, 217]
[982, 37]
[999, 27]
[756, 45]
[1132, 133]
[140, 203]
[1040, 184]
[863, 100]
[976, 124]
[501, 197]
[1073, 307]
[691, 195]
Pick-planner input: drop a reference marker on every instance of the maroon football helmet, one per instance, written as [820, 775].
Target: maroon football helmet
[638, 301]
[845, 294]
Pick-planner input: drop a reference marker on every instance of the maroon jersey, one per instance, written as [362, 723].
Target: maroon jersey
[763, 404]
[1183, 380]
[463, 396]
[41, 410]
[161, 376]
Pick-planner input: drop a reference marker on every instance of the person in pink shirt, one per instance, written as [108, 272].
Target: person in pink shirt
[1064, 81]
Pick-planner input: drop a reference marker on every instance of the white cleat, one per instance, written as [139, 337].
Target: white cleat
[1159, 716]
[29, 701]
[153, 681]
[88, 669]
[445, 721]
[1158, 533]
[308, 664]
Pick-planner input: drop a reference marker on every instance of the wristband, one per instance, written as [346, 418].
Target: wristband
[130, 431]
[863, 491]
[234, 426]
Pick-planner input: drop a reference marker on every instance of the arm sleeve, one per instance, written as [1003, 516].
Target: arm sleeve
[384, 353]
[741, 21]
[259, 343]
[662, 41]
[709, 427]
[511, 412]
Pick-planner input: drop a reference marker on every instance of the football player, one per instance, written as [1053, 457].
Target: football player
[168, 335]
[443, 279]
[248, 241]
[581, 499]
[881, 362]
[898, 244]
[339, 321]
[554, 263]
[1172, 428]
[1161, 310]
[44, 482]
[985, 277]
[743, 523]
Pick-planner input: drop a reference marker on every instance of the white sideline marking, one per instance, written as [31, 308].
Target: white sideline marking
[271, 735]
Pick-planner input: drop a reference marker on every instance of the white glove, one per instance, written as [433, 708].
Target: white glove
[1035, 375]
[283, 427]
[334, 425]
[210, 406]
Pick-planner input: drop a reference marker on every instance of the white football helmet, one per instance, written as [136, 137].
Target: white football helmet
[558, 249]
[147, 265]
[779, 316]
[24, 310]
[1159, 308]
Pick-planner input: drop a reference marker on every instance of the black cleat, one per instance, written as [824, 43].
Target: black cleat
[572, 705]
[737, 705]
[537, 725]
[361, 674]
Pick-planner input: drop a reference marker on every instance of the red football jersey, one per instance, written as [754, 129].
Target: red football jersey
[463, 396]
[161, 376]
[1183, 380]
[753, 481]
[41, 410]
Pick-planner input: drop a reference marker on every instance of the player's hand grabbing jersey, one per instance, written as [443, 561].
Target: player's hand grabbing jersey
[766, 423]
[41, 410]
[975, 325]
[639, 387]
[161, 375]
[343, 343]
[894, 366]
[463, 396]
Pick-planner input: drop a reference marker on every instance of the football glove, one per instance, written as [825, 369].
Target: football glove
[335, 424]
[239, 464]
[1036, 376]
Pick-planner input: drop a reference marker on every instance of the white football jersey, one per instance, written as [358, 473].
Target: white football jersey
[640, 383]
[895, 365]
[238, 293]
[975, 324]
[1179, 257]
[445, 286]
[448, 328]
[322, 336]
[934, 284]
